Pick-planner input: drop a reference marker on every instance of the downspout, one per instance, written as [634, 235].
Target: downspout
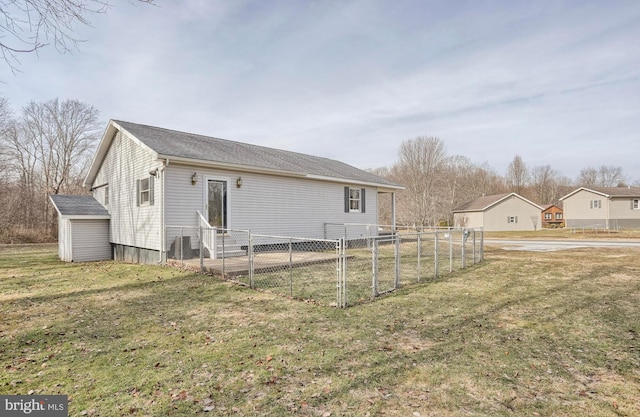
[393, 212]
[163, 243]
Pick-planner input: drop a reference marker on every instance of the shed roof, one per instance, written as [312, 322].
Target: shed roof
[190, 147]
[78, 205]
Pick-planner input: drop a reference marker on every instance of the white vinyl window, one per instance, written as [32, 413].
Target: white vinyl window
[547, 216]
[512, 219]
[595, 204]
[354, 199]
[144, 191]
[635, 204]
[558, 216]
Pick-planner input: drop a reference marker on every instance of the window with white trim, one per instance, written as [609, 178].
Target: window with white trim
[595, 204]
[547, 216]
[354, 199]
[512, 219]
[635, 204]
[558, 216]
[144, 191]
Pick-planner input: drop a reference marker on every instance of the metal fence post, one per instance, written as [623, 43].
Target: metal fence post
[474, 245]
[290, 268]
[344, 274]
[223, 255]
[419, 255]
[201, 250]
[464, 243]
[481, 245]
[450, 251]
[374, 267]
[396, 283]
[339, 273]
[436, 272]
[252, 283]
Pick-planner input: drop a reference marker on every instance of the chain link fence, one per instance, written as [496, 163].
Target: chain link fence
[336, 272]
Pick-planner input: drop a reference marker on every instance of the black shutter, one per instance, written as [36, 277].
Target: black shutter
[346, 199]
[362, 205]
[138, 193]
[151, 190]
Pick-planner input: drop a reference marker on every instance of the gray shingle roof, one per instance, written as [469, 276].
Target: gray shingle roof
[78, 205]
[167, 142]
[484, 202]
[481, 203]
[617, 191]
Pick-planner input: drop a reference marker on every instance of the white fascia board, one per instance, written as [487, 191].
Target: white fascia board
[86, 217]
[103, 148]
[355, 182]
[231, 167]
[246, 168]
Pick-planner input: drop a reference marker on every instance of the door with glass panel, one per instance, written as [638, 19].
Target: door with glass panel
[217, 203]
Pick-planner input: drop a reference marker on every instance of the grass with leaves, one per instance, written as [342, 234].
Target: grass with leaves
[523, 333]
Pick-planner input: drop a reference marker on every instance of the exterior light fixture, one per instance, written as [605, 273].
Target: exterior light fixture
[194, 178]
[239, 182]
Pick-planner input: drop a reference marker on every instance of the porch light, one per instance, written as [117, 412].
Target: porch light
[194, 178]
[239, 182]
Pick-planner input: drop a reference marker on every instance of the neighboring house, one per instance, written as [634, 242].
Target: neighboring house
[607, 208]
[150, 180]
[498, 213]
[552, 216]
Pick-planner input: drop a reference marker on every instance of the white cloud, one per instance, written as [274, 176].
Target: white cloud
[557, 83]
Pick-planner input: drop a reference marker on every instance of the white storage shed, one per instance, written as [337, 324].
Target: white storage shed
[83, 228]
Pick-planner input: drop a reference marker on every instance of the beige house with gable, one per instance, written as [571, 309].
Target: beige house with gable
[603, 207]
[498, 212]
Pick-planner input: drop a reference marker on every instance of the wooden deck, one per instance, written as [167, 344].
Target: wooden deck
[262, 262]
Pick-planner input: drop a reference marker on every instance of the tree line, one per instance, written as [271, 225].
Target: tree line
[436, 183]
[46, 148]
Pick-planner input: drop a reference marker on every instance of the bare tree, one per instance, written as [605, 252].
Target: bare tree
[604, 176]
[545, 182]
[457, 185]
[29, 25]
[419, 163]
[48, 146]
[517, 175]
[486, 181]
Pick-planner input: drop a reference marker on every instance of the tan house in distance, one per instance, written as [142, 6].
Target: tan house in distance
[498, 212]
[552, 216]
[606, 208]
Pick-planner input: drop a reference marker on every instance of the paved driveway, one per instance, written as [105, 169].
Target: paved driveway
[553, 245]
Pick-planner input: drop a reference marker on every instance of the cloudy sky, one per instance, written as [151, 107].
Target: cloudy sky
[556, 82]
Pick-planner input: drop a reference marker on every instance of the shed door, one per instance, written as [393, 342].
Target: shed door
[90, 240]
[217, 203]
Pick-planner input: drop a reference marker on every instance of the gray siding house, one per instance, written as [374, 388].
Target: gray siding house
[606, 208]
[498, 212]
[149, 179]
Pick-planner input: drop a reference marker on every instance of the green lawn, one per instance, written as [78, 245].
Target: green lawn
[522, 333]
